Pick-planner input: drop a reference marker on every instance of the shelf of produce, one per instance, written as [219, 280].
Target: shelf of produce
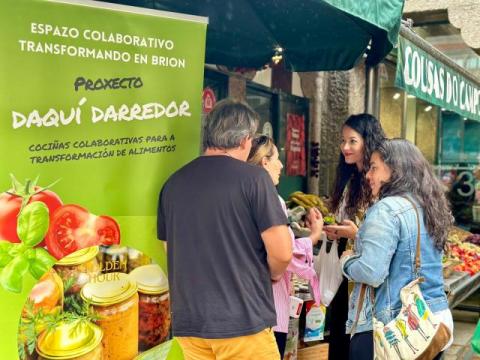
[459, 286]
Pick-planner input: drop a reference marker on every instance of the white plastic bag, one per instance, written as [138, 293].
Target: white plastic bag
[327, 266]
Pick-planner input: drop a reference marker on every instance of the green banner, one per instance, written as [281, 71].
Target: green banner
[99, 104]
[422, 75]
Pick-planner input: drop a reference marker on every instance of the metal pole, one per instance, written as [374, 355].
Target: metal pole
[403, 131]
[372, 100]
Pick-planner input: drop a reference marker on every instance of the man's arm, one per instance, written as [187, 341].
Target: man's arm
[278, 244]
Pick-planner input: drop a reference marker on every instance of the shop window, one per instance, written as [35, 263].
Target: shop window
[458, 141]
[261, 100]
[452, 135]
[275, 108]
[404, 116]
[471, 146]
[426, 128]
[391, 102]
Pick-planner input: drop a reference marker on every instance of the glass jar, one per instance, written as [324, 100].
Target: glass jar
[79, 266]
[136, 259]
[46, 297]
[115, 259]
[47, 293]
[154, 305]
[78, 340]
[114, 299]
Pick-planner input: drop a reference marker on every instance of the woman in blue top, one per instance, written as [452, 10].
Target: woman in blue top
[385, 245]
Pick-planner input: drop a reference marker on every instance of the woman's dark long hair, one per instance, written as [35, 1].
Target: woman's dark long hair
[412, 174]
[358, 194]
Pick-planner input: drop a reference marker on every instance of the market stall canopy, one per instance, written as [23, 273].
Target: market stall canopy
[310, 35]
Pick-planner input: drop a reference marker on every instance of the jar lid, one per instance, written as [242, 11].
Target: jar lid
[115, 250]
[79, 257]
[108, 289]
[69, 340]
[150, 279]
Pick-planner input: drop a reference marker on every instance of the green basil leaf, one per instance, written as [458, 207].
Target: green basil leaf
[30, 253]
[33, 222]
[11, 277]
[5, 247]
[17, 249]
[41, 263]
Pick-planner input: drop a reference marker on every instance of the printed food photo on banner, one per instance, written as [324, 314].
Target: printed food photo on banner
[37, 229]
[98, 303]
[100, 104]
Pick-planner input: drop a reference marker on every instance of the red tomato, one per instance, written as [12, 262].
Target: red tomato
[73, 228]
[10, 205]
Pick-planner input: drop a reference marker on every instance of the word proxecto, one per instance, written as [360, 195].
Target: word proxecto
[104, 84]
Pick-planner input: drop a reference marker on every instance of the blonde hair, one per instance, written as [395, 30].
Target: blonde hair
[262, 146]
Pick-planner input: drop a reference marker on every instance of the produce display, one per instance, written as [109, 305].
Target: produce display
[298, 205]
[464, 255]
[456, 233]
[36, 229]
[307, 201]
[469, 254]
[474, 239]
[81, 298]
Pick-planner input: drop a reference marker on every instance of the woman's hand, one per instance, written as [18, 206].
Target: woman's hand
[346, 253]
[314, 222]
[347, 229]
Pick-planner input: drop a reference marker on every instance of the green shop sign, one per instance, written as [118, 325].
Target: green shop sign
[422, 75]
[99, 105]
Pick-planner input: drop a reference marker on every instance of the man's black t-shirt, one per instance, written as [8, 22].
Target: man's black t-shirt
[211, 213]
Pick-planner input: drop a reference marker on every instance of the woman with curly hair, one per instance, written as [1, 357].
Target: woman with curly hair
[409, 198]
[361, 134]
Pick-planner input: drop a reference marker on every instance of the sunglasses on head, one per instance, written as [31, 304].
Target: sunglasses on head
[260, 140]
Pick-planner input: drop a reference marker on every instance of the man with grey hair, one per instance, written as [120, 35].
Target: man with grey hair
[227, 240]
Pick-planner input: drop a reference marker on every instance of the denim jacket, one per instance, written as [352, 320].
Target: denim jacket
[384, 258]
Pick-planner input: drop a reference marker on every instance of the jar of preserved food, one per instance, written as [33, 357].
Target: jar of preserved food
[115, 259]
[154, 305]
[136, 259]
[114, 298]
[47, 293]
[77, 340]
[46, 297]
[79, 266]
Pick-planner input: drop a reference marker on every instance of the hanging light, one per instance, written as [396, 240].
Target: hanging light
[278, 56]
[396, 96]
[428, 108]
